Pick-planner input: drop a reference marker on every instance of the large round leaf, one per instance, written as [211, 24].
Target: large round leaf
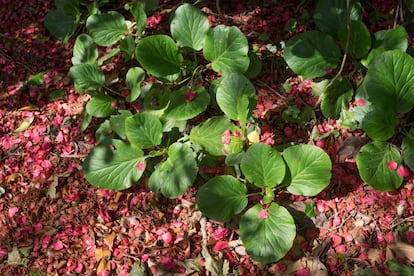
[84, 50]
[336, 98]
[60, 24]
[106, 28]
[359, 39]
[113, 169]
[222, 197]
[389, 82]
[160, 56]
[189, 26]
[134, 77]
[310, 54]
[232, 92]
[263, 166]
[310, 169]
[87, 77]
[143, 130]
[209, 133]
[100, 106]
[174, 176]
[330, 15]
[267, 238]
[386, 40]
[372, 161]
[187, 103]
[227, 49]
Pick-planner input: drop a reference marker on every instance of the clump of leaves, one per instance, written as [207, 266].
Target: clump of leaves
[378, 103]
[171, 136]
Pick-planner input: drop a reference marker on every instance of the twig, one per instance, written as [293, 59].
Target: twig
[270, 88]
[399, 221]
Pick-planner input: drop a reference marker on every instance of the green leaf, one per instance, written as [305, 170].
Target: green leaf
[385, 40]
[222, 197]
[160, 56]
[138, 11]
[37, 79]
[134, 77]
[408, 149]
[380, 124]
[227, 49]
[330, 15]
[255, 66]
[174, 176]
[372, 162]
[209, 133]
[389, 82]
[336, 98]
[117, 123]
[149, 5]
[268, 239]
[84, 50]
[113, 169]
[87, 77]
[263, 166]
[106, 28]
[127, 47]
[310, 169]
[60, 24]
[359, 39]
[309, 54]
[404, 270]
[100, 106]
[189, 26]
[157, 98]
[187, 103]
[143, 130]
[310, 209]
[231, 89]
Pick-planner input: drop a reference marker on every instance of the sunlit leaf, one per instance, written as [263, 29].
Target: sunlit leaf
[106, 28]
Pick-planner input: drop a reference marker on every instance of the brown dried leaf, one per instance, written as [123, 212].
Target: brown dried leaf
[350, 147]
[103, 264]
[402, 250]
[109, 239]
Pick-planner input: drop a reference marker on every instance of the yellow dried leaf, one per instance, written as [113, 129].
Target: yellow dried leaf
[102, 253]
[253, 137]
[29, 108]
[103, 264]
[24, 124]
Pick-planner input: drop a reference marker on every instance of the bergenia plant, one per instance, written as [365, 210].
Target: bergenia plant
[185, 118]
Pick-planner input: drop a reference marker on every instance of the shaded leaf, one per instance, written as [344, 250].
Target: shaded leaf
[84, 50]
[222, 197]
[106, 28]
[100, 106]
[143, 130]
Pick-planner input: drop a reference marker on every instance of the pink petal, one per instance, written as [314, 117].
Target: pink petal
[220, 233]
[58, 245]
[263, 214]
[220, 245]
[13, 211]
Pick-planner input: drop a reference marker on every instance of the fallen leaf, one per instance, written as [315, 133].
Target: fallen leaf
[402, 250]
[102, 253]
[350, 147]
[15, 258]
[24, 124]
[109, 239]
[103, 265]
